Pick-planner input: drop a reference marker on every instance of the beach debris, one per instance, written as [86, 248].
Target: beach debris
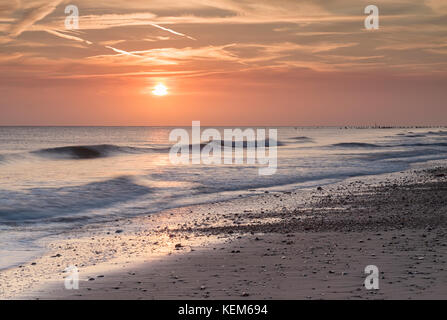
[178, 246]
[245, 294]
[118, 231]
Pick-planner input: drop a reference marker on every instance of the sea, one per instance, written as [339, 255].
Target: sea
[54, 179]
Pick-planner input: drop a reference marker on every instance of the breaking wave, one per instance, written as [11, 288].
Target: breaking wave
[92, 151]
[356, 145]
[44, 203]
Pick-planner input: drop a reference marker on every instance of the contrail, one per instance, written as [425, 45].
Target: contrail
[172, 31]
[66, 36]
[123, 52]
[33, 17]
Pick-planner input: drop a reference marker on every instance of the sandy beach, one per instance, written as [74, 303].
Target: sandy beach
[307, 244]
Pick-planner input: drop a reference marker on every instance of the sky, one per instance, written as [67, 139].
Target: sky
[223, 62]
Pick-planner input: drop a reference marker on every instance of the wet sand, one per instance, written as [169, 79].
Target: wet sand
[312, 244]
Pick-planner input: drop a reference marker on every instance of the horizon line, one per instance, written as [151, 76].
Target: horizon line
[228, 126]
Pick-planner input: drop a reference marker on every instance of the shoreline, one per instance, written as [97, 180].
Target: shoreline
[134, 251]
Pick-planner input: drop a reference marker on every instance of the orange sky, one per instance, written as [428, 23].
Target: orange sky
[225, 63]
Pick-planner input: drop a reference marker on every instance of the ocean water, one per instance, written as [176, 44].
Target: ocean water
[55, 178]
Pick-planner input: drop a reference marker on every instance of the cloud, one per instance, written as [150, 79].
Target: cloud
[438, 6]
[412, 46]
[112, 42]
[107, 21]
[171, 31]
[33, 16]
[10, 57]
[167, 56]
[205, 37]
[442, 51]
[66, 36]
[123, 52]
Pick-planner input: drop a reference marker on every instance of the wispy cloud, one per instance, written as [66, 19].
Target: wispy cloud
[123, 52]
[167, 56]
[36, 14]
[67, 36]
[172, 31]
[107, 21]
[212, 36]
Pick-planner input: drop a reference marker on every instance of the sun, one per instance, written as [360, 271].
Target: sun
[160, 90]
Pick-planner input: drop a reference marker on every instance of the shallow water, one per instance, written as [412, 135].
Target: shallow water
[55, 178]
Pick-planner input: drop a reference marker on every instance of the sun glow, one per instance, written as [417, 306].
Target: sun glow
[160, 90]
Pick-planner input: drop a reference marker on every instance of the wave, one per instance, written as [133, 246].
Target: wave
[83, 152]
[436, 144]
[370, 145]
[106, 150]
[302, 139]
[356, 145]
[407, 156]
[92, 151]
[420, 135]
[11, 157]
[39, 204]
[245, 144]
[240, 144]
[438, 133]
